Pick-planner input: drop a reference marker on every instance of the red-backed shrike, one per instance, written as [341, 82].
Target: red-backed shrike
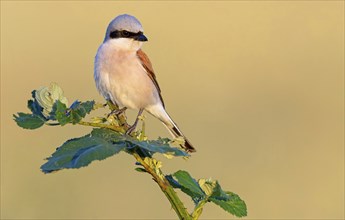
[124, 73]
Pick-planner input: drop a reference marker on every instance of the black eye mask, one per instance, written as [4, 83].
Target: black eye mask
[125, 34]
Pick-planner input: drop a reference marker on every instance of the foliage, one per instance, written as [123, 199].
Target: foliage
[48, 106]
[207, 190]
[100, 144]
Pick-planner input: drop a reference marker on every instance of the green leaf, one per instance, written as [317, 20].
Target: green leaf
[88, 106]
[33, 105]
[156, 146]
[74, 117]
[176, 185]
[78, 110]
[227, 200]
[29, 121]
[218, 193]
[80, 152]
[188, 182]
[187, 185]
[35, 108]
[98, 145]
[108, 135]
[207, 190]
[234, 205]
[74, 114]
[59, 112]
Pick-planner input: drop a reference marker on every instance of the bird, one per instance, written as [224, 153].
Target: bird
[124, 74]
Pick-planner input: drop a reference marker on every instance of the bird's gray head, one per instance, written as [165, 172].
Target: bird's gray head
[125, 27]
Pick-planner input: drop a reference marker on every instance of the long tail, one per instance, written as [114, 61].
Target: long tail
[176, 132]
[159, 112]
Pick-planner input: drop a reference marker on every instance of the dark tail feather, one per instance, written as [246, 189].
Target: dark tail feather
[177, 133]
[159, 112]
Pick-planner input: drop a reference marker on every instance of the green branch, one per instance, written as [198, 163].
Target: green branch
[99, 125]
[165, 186]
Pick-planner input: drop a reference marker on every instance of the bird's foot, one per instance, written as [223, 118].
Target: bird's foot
[117, 111]
[131, 128]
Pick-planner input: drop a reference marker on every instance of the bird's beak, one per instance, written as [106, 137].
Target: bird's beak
[141, 37]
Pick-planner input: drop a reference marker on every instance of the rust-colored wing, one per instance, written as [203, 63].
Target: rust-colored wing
[145, 61]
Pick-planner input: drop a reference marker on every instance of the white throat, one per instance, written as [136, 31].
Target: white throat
[125, 44]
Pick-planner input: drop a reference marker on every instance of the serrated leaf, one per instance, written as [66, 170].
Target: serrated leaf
[78, 110]
[88, 106]
[218, 193]
[213, 189]
[99, 144]
[59, 111]
[28, 121]
[176, 185]
[80, 152]
[234, 205]
[187, 186]
[156, 146]
[185, 180]
[74, 114]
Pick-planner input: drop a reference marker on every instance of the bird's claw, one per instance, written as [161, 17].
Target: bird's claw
[117, 111]
[131, 129]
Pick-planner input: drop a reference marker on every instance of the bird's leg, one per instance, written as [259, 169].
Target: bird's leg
[117, 111]
[131, 129]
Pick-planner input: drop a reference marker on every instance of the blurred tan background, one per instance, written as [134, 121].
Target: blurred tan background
[256, 86]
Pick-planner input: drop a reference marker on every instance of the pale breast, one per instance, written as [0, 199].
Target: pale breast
[101, 73]
[120, 77]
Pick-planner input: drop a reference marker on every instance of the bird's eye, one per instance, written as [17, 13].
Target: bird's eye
[125, 33]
